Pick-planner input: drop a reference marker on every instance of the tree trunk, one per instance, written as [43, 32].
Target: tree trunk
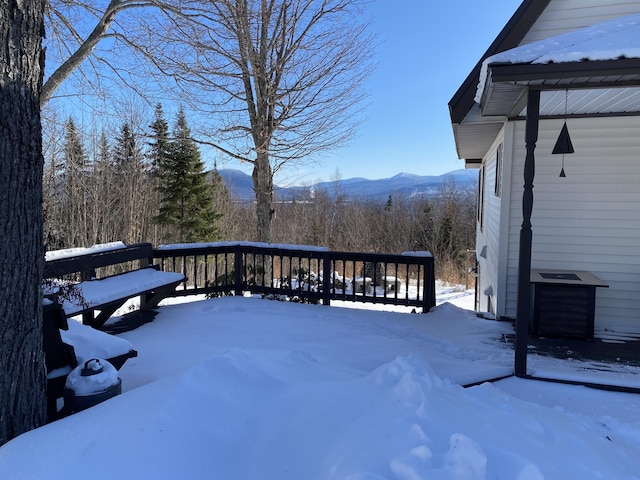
[22, 368]
[263, 186]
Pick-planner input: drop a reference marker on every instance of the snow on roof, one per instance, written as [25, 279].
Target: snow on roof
[614, 39]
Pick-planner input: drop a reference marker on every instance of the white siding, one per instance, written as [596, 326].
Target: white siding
[589, 220]
[507, 191]
[487, 239]
[562, 16]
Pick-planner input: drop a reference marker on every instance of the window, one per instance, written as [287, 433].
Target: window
[498, 184]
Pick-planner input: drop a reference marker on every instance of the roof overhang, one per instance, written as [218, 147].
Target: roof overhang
[589, 72]
[509, 37]
[471, 140]
[610, 86]
[475, 134]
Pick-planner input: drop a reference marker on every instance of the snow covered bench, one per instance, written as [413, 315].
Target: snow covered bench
[107, 294]
[68, 344]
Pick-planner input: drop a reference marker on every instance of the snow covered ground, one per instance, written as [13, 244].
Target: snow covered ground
[244, 388]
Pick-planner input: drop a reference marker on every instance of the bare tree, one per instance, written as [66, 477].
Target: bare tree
[76, 28]
[282, 77]
[22, 368]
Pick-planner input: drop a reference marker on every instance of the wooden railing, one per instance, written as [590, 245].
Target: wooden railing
[302, 273]
[100, 264]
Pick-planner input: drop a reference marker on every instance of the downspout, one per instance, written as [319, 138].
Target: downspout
[523, 316]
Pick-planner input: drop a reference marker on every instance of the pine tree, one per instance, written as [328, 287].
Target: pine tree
[158, 154]
[106, 198]
[160, 144]
[76, 192]
[130, 178]
[389, 205]
[127, 155]
[186, 197]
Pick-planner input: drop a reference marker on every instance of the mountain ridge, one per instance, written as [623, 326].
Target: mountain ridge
[240, 185]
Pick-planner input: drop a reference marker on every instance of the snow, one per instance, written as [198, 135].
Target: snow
[417, 254]
[110, 289]
[77, 251]
[618, 38]
[245, 388]
[305, 248]
[90, 343]
[102, 376]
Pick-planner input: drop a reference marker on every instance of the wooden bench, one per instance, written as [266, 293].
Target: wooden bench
[105, 295]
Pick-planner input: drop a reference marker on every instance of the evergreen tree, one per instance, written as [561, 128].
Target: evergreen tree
[127, 155]
[186, 197]
[106, 198]
[160, 144]
[76, 177]
[389, 205]
[158, 153]
[129, 183]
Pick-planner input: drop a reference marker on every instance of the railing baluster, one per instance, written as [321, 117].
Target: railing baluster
[195, 272]
[408, 283]
[273, 271]
[396, 274]
[353, 284]
[344, 279]
[238, 268]
[206, 270]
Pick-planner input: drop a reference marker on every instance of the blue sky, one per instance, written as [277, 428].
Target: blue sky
[427, 49]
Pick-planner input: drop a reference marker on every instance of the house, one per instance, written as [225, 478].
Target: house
[568, 214]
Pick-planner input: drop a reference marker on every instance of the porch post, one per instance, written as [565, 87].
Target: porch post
[523, 315]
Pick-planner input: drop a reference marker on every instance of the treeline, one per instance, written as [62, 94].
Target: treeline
[443, 224]
[135, 184]
[147, 183]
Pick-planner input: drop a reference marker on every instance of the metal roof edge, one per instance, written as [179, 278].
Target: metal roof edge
[527, 72]
[509, 37]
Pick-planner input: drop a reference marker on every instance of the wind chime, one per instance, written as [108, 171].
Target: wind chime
[563, 144]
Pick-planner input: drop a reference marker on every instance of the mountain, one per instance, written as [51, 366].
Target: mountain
[240, 185]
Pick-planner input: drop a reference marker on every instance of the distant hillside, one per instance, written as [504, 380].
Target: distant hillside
[240, 186]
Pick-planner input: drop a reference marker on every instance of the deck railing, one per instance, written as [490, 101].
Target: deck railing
[302, 273]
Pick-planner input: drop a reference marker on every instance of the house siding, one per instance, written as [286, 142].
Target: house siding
[589, 220]
[488, 237]
[562, 16]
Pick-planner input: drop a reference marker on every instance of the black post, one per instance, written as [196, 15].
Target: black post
[524, 262]
[145, 262]
[429, 286]
[238, 271]
[326, 279]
